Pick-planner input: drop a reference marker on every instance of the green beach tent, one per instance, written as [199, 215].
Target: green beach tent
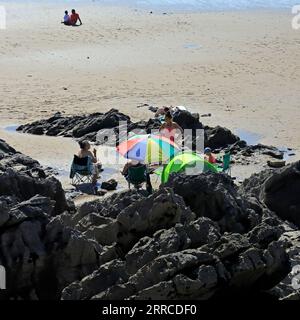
[190, 162]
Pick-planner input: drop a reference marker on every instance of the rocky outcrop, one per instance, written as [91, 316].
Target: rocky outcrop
[23, 177]
[24, 187]
[75, 126]
[40, 252]
[219, 137]
[87, 127]
[215, 196]
[280, 193]
[278, 190]
[41, 255]
[198, 237]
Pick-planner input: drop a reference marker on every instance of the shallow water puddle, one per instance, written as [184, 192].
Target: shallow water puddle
[58, 152]
[192, 46]
[252, 138]
[288, 153]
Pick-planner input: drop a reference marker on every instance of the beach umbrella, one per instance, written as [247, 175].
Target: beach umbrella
[191, 163]
[148, 148]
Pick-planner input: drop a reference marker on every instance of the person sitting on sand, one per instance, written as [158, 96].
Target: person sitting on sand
[209, 157]
[95, 165]
[66, 18]
[74, 18]
[169, 128]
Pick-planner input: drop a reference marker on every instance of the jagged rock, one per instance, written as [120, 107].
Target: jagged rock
[96, 122]
[114, 127]
[105, 234]
[5, 148]
[214, 196]
[274, 154]
[276, 164]
[287, 288]
[41, 254]
[101, 279]
[219, 137]
[25, 187]
[187, 120]
[76, 126]
[251, 187]
[175, 239]
[161, 210]
[109, 207]
[198, 237]
[280, 192]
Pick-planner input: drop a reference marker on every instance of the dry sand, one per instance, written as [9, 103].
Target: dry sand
[243, 67]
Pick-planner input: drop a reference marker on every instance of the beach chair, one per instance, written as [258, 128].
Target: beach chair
[226, 165]
[81, 170]
[137, 176]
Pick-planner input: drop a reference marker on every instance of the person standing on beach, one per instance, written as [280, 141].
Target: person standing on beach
[74, 18]
[170, 128]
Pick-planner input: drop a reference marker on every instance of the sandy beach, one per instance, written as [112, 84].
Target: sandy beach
[242, 67]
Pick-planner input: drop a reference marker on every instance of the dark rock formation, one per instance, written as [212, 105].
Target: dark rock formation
[225, 243]
[278, 190]
[40, 253]
[215, 196]
[197, 237]
[87, 127]
[23, 177]
[219, 137]
[75, 126]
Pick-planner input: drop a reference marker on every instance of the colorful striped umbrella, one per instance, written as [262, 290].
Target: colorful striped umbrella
[149, 149]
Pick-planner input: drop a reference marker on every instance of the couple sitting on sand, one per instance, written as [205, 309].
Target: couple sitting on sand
[71, 20]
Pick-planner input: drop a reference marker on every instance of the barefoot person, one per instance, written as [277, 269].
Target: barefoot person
[170, 128]
[74, 18]
[95, 165]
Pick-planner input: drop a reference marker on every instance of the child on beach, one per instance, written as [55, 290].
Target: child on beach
[209, 157]
[66, 18]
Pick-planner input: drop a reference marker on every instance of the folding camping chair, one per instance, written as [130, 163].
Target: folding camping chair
[226, 165]
[137, 176]
[81, 171]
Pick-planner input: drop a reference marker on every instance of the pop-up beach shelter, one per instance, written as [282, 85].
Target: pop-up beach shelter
[188, 162]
